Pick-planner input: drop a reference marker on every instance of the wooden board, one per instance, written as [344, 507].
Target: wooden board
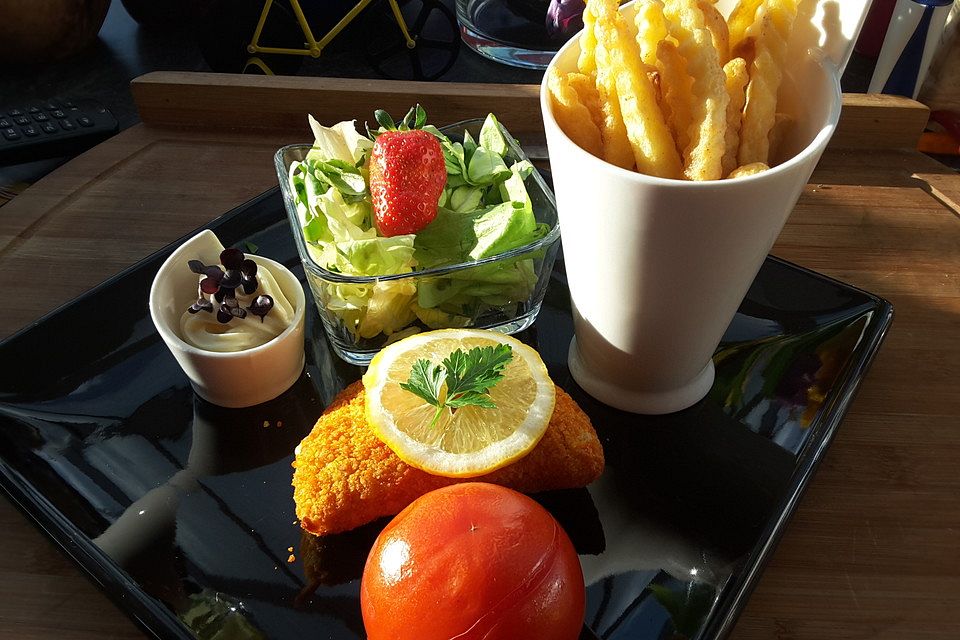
[222, 101]
[872, 551]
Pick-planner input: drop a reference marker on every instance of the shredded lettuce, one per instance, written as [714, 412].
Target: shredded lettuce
[484, 211]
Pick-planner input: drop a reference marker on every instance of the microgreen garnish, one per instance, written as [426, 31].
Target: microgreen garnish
[237, 272]
[467, 375]
[261, 306]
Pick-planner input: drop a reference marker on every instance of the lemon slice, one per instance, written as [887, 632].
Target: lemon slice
[469, 441]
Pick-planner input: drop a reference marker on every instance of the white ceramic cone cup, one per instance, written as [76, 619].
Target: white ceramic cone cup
[239, 378]
[656, 267]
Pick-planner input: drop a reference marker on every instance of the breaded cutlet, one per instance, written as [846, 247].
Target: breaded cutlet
[345, 476]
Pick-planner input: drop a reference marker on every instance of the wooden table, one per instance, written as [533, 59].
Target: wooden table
[874, 549]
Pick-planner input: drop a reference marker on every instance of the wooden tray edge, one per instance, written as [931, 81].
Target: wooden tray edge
[226, 101]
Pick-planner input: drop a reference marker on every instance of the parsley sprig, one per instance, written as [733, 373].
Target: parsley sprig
[467, 375]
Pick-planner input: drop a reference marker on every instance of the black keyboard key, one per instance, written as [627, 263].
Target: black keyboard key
[85, 121]
[11, 134]
[48, 128]
[30, 131]
[40, 117]
[49, 106]
[72, 107]
[67, 125]
[5, 124]
[21, 120]
[15, 112]
[57, 113]
[33, 109]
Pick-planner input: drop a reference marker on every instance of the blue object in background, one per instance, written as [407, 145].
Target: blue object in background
[909, 45]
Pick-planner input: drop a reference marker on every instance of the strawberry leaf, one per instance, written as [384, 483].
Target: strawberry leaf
[384, 120]
[408, 119]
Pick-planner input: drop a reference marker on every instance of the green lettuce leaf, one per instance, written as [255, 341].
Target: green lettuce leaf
[486, 168]
[382, 256]
[501, 228]
[339, 142]
[491, 136]
[465, 198]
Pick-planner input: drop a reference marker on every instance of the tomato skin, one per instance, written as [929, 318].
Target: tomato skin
[473, 561]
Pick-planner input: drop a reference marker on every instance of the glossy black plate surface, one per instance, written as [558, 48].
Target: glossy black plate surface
[182, 511]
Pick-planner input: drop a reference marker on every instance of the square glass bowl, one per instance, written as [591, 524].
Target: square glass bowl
[504, 292]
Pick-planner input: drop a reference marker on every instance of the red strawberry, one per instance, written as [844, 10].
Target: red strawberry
[407, 176]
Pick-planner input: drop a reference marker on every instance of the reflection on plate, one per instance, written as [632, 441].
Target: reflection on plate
[184, 513]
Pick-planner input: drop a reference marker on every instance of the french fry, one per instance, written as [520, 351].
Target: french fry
[760, 109]
[751, 169]
[616, 145]
[653, 75]
[589, 96]
[677, 87]
[741, 17]
[574, 118]
[653, 148]
[781, 124]
[772, 29]
[736, 74]
[587, 62]
[746, 49]
[679, 92]
[651, 29]
[704, 152]
[783, 12]
[613, 133]
[718, 29]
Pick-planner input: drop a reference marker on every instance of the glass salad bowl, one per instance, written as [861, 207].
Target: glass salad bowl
[363, 312]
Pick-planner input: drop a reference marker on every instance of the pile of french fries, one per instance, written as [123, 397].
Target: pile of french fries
[680, 92]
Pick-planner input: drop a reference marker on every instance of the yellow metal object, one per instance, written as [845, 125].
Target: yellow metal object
[259, 64]
[403, 25]
[312, 46]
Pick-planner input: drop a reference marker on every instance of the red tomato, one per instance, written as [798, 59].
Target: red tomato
[473, 561]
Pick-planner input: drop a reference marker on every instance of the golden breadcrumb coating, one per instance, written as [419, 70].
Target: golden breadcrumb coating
[345, 476]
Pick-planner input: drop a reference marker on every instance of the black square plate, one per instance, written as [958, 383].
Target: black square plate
[183, 511]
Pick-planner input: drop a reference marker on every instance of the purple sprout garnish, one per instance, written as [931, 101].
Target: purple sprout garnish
[248, 276]
[231, 279]
[230, 311]
[238, 271]
[202, 304]
[231, 258]
[212, 276]
[261, 306]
